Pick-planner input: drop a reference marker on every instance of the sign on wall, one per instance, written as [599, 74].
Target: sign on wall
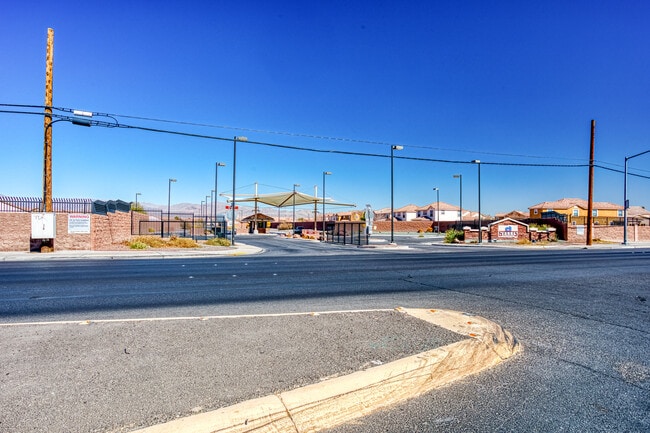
[508, 231]
[43, 225]
[78, 223]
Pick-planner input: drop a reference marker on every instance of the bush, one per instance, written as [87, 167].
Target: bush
[138, 246]
[175, 242]
[284, 226]
[218, 242]
[453, 235]
[150, 241]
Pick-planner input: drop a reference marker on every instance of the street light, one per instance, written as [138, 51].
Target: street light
[437, 190]
[234, 168]
[392, 194]
[169, 196]
[480, 222]
[293, 223]
[460, 177]
[626, 205]
[325, 173]
[216, 193]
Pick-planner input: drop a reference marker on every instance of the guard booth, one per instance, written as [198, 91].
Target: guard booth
[219, 226]
[258, 223]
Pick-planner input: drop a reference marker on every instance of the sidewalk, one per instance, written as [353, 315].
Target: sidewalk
[162, 253]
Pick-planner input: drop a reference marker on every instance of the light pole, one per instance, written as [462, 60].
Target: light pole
[234, 168]
[392, 193]
[626, 205]
[437, 190]
[293, 222]
[169, 196]
[136, 200]
[325, 173]
[480, 222]
[460, 177]
[216, 193]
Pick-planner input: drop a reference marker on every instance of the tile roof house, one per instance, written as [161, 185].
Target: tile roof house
[574, 211]
[406, 213]
[448, 212]
[638, 215]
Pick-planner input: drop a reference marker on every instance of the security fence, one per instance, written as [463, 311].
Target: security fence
[157, 222]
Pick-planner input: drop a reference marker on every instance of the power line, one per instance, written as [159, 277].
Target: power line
[276, 145]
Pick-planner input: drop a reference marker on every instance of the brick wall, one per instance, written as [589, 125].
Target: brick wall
[610, 234]
[106, 232]
[15, 231]
[404, 226]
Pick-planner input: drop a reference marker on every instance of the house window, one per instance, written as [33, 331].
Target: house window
[576, 212]
[620, 214]
[594, 213]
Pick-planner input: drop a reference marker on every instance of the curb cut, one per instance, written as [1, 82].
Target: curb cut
[339, 400]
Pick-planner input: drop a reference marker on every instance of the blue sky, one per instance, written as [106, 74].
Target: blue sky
[507, 82]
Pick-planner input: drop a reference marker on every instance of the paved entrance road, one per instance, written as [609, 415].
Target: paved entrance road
[582, 316]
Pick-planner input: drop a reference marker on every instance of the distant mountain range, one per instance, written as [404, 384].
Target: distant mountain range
[244, 211]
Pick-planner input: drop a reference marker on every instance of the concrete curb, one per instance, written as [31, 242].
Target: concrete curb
[339, 400]
[238, 250]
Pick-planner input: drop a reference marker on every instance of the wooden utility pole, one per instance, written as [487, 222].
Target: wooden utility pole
[47, 146]
[590, 204]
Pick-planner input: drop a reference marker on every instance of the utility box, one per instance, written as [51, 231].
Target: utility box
[43, 225]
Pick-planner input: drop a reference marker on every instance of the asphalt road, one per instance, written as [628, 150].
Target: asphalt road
[582, 317]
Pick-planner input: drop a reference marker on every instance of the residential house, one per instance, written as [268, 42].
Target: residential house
[448, 212]
[638, 215]
[513, 214]
[406, 213]
[574, 211]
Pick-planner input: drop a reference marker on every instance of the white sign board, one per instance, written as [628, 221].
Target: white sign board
[43, 225]
[509, 231]
[79, 223]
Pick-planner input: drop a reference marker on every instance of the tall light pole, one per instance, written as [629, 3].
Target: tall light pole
[136, 200]
[234, 168]
[169, 196]
[626, 204]
[392, 193]
[325, 173]
[460, 177]
[437, 190]
[293, 223]
[480, 222]
[216, 192]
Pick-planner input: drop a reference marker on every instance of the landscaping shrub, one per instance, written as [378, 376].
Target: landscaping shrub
[453, 235]
[218, 242]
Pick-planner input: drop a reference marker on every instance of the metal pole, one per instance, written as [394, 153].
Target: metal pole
[169, 196]
[325, 173]
[216, 193]
[232, 202]
[293, 222]
[438, 216]
[234, 168]
[460, 177]
[392, 193]
[480, 222]
[590, 204]
[626, 203]
[136, 199]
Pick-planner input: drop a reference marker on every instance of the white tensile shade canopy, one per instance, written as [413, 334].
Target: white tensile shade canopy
[284, 199]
